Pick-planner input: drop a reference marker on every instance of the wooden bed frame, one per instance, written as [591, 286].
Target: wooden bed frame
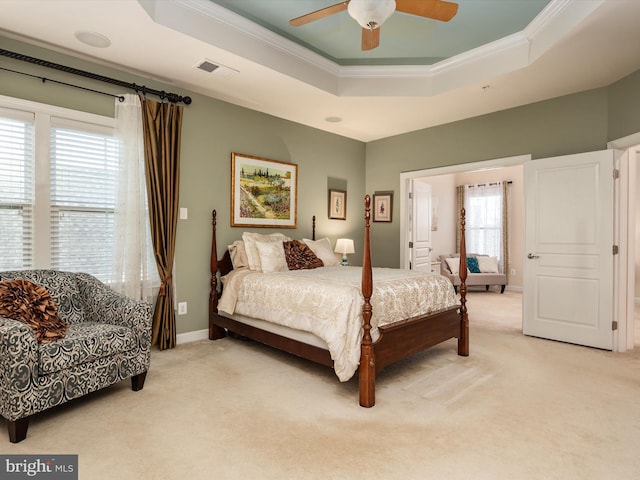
[397, 340]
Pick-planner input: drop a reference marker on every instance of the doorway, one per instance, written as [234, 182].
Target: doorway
[625, 303]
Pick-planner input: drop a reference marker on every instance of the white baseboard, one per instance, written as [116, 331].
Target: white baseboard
[192, 336]
[514, 288]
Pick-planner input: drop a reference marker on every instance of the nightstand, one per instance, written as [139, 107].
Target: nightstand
[435, 267]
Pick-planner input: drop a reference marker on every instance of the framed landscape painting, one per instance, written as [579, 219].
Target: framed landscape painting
[264, 193]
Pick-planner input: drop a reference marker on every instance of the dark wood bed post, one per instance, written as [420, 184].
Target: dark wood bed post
[215, 332]
[463, 339]
[367, 368]
[313, 228]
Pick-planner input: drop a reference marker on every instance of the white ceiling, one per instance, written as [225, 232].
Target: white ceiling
[571, 46]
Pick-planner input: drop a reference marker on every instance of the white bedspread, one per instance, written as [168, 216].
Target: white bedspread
[328, 303]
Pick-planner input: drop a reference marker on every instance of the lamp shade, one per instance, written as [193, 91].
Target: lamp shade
[371, 13]
[344, 246]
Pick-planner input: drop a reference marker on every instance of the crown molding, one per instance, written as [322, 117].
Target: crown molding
[211, 23]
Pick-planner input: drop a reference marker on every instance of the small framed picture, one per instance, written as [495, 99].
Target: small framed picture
[382, 206]
[337, 204]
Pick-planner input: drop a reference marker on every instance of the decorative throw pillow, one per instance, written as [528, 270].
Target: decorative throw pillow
[32, 305]
[488, 264]
[238, 255]
[472, 265]
[322, 249]
[454, 264]
[250, 239]
[271, 256]
[300, 257]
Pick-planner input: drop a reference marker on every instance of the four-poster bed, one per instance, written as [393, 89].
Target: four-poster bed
[380, 345]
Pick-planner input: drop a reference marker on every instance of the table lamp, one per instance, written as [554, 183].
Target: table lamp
[344, 246]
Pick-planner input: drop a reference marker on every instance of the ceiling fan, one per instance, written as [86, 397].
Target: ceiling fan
[371, 14]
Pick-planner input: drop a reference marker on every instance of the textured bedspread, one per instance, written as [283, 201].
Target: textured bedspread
[328, 303]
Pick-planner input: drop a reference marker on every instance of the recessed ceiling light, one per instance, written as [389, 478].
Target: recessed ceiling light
[93, 39]
[333, 119]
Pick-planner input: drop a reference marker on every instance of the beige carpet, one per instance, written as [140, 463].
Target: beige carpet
[517, 408]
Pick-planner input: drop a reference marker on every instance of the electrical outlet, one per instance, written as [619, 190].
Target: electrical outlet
[182, 308]
[513, 272]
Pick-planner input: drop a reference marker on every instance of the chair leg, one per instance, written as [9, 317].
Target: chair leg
[18, 429]
[137, 381]
[486, 288]
[502, 288]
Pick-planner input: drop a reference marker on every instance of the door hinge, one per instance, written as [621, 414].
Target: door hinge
[410, 195]
[616, 173]
[410, 244]
[616, 250]
[614, 325]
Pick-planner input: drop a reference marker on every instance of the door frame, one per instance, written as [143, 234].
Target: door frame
[405, 185]
[624, 267]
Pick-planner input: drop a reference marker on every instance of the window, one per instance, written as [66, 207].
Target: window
[484, 207]
[58, 178]
[16, 190]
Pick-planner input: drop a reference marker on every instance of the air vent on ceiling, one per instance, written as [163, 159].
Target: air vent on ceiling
[215, 68]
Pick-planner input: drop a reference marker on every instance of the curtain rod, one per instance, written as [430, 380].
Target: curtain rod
[45, 79]
[508, 182]
[171, 97]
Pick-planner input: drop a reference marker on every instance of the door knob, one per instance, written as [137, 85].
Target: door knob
[533, 256]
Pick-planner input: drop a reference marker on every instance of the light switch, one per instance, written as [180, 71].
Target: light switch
[184, 214]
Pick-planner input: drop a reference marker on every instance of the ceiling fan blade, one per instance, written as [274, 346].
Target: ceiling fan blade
[370, 38]
[436, 9]
[318, 14]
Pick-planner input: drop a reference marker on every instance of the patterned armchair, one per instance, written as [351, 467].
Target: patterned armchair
[108, 339]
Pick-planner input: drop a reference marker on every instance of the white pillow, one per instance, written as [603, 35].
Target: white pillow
[488, 264]
[272, 258]
[454, 264]
[250, 239]
[322, 249]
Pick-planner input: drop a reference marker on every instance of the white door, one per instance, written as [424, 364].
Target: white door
[568, 265]
[420, 246]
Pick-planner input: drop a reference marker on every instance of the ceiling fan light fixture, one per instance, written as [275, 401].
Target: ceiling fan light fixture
[371, 13]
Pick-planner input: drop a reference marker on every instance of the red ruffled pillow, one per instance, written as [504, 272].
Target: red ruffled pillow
[32, 305]
[300, 257]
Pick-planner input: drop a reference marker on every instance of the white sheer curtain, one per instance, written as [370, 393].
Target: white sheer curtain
[134, 271]
[484, 205]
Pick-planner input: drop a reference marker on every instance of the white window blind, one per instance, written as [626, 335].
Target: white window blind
[16, 189]
[84, 172]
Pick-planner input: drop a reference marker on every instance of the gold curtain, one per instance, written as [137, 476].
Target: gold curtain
[459, 207]
[162, 126]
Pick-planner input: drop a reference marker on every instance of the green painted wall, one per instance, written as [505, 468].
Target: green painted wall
[211, 131]
[624, 107]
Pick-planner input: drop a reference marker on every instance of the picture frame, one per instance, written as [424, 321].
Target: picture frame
[264, 192]
[383, 207]
[337, 207]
